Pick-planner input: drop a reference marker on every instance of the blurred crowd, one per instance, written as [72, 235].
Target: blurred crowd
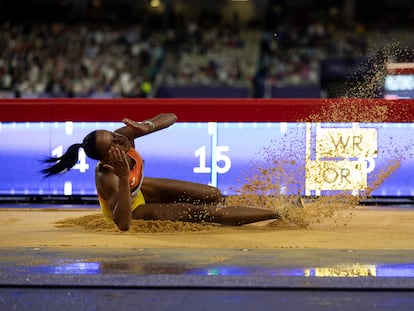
[58, 60]
[81, 60]
[219, 55]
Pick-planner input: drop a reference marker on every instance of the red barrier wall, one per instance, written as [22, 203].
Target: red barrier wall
[204, 110]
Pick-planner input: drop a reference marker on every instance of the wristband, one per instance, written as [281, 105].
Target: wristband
[150, 123]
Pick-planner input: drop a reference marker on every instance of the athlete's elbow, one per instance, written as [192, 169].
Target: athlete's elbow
[123, 226]
[122, 220]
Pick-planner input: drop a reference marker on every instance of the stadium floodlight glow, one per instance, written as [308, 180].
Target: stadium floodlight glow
[155, 3]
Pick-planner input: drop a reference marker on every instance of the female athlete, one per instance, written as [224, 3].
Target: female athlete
[124, 193]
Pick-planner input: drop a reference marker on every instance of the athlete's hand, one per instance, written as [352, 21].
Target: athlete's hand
[118, 162]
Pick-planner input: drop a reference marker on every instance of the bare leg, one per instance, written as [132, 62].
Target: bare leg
[231, 215]
[163, 190]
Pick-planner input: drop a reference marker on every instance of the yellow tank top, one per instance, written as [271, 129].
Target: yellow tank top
[136, 176]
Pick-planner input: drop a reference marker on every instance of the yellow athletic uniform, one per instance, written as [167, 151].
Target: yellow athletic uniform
[136, 176]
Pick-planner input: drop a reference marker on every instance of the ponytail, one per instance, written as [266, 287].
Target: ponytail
[70, 157]
[63, 163]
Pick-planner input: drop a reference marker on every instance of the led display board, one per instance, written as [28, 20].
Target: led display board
[308, 158]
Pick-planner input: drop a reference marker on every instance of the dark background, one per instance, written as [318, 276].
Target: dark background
[286, 24]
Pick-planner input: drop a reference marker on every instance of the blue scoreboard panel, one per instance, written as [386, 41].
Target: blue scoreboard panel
[306, 158]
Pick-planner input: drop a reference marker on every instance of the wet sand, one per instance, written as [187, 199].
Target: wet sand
[389, 227]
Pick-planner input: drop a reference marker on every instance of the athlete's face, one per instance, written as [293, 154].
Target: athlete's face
[105, 140]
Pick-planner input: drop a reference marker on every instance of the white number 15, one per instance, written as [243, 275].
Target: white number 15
[219, 157]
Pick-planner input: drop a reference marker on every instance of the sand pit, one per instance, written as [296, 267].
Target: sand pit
[389, 227]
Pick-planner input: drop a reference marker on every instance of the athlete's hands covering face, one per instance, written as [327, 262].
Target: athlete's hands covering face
[117, 162]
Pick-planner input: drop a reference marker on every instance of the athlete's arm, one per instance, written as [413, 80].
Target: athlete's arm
[134, 129]
[112, 183]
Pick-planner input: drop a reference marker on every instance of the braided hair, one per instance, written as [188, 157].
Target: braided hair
[71, 156]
